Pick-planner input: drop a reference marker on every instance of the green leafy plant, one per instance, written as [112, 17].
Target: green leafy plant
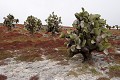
[32, 24]
[53, 22]
[10, 22]
[90, 34]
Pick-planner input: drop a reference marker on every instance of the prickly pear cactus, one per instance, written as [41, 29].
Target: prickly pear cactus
[32, 24]
[90, 34]
[117, 27]
[53, 22]
[10, 22]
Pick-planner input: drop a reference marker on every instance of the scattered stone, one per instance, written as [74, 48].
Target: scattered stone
[45, 35]
[34, 77]
[56, 49]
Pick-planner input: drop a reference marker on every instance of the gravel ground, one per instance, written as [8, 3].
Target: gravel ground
[50, 70]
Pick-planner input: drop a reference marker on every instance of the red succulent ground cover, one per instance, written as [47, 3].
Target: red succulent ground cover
[43, 44]
[8, 40]
[115, 42]
[50, 42]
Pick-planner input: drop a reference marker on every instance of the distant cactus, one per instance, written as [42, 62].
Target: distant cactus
[117, 27]
[113, 27]
[53, 22]
[10, 22]
[90, 35]
[108, 27]
[32, 24]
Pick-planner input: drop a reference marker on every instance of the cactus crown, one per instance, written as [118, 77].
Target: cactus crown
[9, 21]
[32, 24]
[53, 22]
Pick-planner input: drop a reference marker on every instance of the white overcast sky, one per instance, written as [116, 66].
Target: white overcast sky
[109, 9]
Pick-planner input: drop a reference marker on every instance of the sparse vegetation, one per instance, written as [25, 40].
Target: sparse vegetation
[29, 57]
[5, 54]
[60, 54]
[114, 71]
[94, 71]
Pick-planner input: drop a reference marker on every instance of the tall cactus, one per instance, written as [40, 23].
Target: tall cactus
[90, 34]
[32, 24]
[53, 22]
[9, 21]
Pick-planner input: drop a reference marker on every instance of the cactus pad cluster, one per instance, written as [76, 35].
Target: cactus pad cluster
[53, 22]
[90, 34]
[9, 21]
[32, 24]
